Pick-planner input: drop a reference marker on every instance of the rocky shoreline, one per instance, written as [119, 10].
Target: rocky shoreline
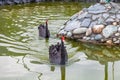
[100, 24]
[11, 2]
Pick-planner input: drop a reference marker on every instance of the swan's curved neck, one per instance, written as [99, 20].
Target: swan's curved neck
[62, 52]
[46, 28]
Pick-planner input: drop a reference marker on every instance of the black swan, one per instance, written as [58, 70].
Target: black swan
[58, 53]
[43, 30]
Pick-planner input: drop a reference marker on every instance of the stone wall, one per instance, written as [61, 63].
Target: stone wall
[100, 24]
[11, 2]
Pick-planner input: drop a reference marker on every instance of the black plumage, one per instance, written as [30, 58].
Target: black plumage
[58, 54]
[43, 30]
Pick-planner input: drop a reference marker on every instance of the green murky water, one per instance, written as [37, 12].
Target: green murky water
[24, 56]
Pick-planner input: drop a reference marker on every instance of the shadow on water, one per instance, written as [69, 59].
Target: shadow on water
[26, 67]
[107, 72]
[62, 71]
[105, 55]
[100, 53]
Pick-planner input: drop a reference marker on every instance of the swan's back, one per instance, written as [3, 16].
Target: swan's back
[58, 54]
[42, 31]
[55, 54]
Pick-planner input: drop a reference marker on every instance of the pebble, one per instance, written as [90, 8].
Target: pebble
[119, 29]
[69, 34]
[62, 27]
[117, 42]
[114, 39]
[86, 23]
[72, 25]
[97, 29]
[98, 37]
[79, 30]
[109, 42]
[109, 31]
[115, 23]
[87, 38]
[62, 32]
[88, 31]
[117, 34]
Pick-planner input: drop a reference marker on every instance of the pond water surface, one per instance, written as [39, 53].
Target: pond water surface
[24, 56]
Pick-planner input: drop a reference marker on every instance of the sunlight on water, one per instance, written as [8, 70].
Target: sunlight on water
[24, 55]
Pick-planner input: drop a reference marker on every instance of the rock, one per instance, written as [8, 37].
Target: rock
[109, 42]
[94, 17]
[72, 25]
[108, 23]
[118, 16]
[74, 16]
[113, 16]
[114, 39]
[118, 11]
[84, 37]
[62, 32]
[109, 31]
[82, 15]
[115, 23]
[62, 27]
[96, 7]
[100, 20]
[113, 11]
[117, 34]
[87, 38]
[97, 12]
[69, 34]
[117, 42]
[109, 7]
[119, 38]
[97, 29]
[79, 30]
[93, 23]
[116, 6]
[92, 38]
[105, 15]
[9, 2]
[76, 36]
[38, 0]
[88, 32]
[117, 20]
[119, 29]
[102, 40]
[17, 1]
[98, 37]
[24, 1]
[88, 16]
[86, 22]
[110, 20]
[1, 3]
[103, 1]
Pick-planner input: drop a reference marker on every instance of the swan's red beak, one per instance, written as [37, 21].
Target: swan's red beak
[63, 38]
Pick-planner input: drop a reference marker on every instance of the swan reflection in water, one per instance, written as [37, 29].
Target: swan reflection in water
[62, 70]
[104, 55]
[108, 56]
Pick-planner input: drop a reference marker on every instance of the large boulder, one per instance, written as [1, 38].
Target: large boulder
[100, 23]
